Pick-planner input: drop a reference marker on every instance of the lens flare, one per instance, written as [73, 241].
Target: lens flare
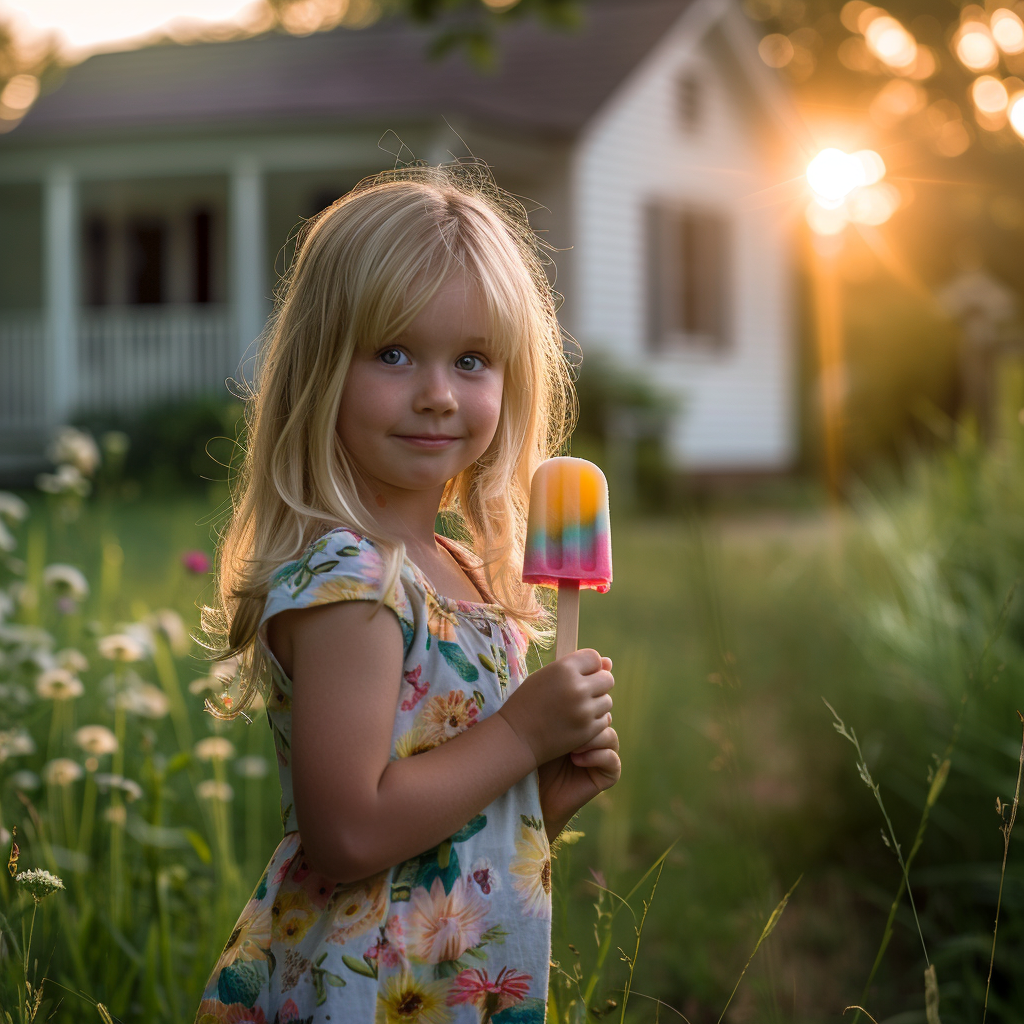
[1008, 31]
[989, 94]
[833, 175]
[975, 47]
[890, 42]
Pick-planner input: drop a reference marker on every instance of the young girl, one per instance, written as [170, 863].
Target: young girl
[415, 366]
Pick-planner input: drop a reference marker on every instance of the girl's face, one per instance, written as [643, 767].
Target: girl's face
[420, 409]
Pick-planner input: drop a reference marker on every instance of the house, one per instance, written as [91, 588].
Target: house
[147, 202]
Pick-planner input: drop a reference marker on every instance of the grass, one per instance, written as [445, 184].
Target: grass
[725, 636]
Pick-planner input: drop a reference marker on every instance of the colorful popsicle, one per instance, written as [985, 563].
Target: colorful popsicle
[568, 538]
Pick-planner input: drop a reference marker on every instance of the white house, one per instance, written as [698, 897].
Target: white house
[146, 206]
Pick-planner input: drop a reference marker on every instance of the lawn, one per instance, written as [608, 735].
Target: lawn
[726, 634]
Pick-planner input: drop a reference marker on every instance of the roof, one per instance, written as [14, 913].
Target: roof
[548, 81]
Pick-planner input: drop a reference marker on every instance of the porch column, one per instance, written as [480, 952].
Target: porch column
[247, 253]
[60, 260]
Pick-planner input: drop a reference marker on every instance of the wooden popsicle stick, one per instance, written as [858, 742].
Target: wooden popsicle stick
[568, 618]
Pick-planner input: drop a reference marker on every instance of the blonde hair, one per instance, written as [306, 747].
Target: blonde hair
[363, 270]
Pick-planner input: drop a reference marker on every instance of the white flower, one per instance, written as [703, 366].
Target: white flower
[203, 683]
[38, 883]
[129, 787]
[214, 748]
[72, 660]
[15, 743]
[144, 700]
[120, 647]
[252, 767]
[77, 448]
[62, 771]
[7, 541]
[172, 626]
[66, 580]
[211, 789]
[25, 780]
[66, 479]
[12, 508]
[96, 739]
[59, 684]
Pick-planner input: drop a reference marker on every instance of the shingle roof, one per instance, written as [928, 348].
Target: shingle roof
[548, 81]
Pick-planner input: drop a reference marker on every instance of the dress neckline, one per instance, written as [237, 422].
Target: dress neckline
[453, 604]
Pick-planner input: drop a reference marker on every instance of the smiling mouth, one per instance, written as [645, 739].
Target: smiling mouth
[427, 440]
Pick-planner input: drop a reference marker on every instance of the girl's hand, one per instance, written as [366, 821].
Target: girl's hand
[570, 781]
[563, 706]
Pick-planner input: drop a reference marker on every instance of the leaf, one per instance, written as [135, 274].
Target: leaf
[449, 874]
[359, 966]
[456, 657]
[334, 980]
[531, 822]
[348, 551]
[199, 845]
[487, 663]
[319, 570]
[104, 1014]
[469, 829]
[479, 698]
[477, 951]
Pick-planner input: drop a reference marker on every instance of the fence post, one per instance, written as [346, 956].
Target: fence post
[60, 257]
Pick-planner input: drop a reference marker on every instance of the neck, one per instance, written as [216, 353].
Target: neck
[406, 516]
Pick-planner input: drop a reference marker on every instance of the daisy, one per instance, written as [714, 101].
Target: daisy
[214, 748]
[59, 684]
[96, 740]
[447, 716]
[211, 789]
[62, 771]
[121, 647]
[489, 997]
[403, 999]
[442, 926]
[67, 581]
[531, 869]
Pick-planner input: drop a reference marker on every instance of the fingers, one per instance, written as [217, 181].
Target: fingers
[585, 661]
[605, 764]
[606, 739]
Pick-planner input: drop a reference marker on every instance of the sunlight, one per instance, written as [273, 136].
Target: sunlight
[85, 28]
[833, 174]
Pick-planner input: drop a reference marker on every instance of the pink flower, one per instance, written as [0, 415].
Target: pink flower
[196, 561]
[288, 1012]
[490, 997]
[443, 926]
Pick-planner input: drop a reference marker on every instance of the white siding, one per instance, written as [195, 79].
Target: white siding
[739, 404]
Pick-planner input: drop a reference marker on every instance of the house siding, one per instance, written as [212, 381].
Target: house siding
[738, 403]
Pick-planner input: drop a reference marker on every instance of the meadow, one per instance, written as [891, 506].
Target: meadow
[727, 632]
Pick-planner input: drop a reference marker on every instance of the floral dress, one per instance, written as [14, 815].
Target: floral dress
[459, 934]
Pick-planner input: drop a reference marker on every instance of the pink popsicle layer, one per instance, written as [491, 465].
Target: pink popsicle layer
[569, 532]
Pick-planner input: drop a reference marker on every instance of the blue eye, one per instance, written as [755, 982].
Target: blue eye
[392, 356]
[469, 363]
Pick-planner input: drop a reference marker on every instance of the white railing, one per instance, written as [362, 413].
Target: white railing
[22, 372]
[131, 358]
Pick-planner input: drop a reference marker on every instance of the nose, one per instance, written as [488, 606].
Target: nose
[435, 392]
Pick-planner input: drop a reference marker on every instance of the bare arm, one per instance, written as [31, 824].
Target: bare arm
[359, 812]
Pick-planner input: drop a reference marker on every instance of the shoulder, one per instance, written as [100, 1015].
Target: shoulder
[341, 565]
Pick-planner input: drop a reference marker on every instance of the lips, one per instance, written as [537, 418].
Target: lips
[428, 440]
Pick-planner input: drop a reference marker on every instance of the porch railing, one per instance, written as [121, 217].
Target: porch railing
[22, 373]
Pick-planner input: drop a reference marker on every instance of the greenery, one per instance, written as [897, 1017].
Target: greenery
[727, 633]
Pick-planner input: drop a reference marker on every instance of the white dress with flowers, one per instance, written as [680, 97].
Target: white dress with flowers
[457, 935]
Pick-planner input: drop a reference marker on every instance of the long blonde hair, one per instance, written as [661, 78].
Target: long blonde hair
[363, 270]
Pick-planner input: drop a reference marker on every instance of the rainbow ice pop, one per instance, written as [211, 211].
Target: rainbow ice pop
[568, 538]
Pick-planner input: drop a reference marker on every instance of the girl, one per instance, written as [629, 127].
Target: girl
[415, 365]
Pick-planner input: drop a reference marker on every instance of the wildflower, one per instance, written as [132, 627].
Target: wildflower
[72, 660]
[67, 479]
[214, 748]
[252, 767]
[447, 716]
[405, 999]
[38, 883]
[62, 771]
[211, 789]
[66, 581]
[532, 870]
[116, 815]
[12, 509]
[24, 781]
[442, 926]
[131, 789]
[59, 684]
[144, 700]
[77, 448]
[15, 743]
[197, 562]
[96, 739]
[490, 997]
[172, 626]
[121, 647]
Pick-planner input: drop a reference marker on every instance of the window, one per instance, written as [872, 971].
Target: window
[201, 241]
[97, 261]
[687, 277]
[146, 255]
[690, 100]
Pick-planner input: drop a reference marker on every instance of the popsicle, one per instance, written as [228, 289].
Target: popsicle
[568, 538]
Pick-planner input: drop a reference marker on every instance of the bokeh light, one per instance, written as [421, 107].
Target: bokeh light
[1015, 113]
[874, 205]
[826, 220]
[896, 100]
[776, 50]
[20, 93]
[975, 47]
[872, 165]
[890, 42]
[833, 175]
[1007, 31]
[989, 94]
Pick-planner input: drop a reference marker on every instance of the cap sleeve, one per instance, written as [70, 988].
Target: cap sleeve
[339, 566]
